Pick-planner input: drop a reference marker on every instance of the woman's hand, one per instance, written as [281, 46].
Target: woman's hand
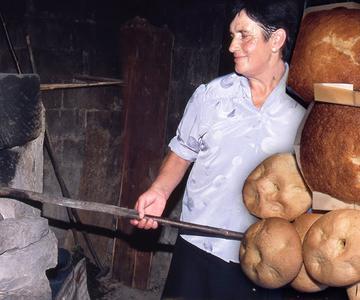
[152, 202]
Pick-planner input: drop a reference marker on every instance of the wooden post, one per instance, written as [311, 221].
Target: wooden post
[146, 65]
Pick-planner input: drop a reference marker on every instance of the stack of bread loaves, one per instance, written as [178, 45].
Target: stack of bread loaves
[289, 244]
[328, 50]
[311, 253]
[270, 253]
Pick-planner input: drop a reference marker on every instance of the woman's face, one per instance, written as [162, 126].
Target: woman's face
[250, 50]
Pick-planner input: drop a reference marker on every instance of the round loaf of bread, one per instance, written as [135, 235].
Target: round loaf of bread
[327, 50]
[331, 248]
[270, 253]
[330, 151]
[276, 189]
[303, 282]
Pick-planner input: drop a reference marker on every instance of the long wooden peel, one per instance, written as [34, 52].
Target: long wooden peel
[24, 195]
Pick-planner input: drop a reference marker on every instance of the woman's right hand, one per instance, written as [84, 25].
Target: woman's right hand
[152, 202]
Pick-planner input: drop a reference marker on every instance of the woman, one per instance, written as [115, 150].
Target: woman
[229, 126]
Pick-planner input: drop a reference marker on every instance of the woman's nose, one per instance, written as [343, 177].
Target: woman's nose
[234, 46]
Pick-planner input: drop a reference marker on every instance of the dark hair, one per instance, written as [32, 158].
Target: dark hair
[272, 15]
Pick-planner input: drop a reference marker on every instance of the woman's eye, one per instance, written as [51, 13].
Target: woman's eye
[245, 36]
[240, 36]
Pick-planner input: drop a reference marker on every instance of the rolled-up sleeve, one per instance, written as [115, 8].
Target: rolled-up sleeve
[186, 143]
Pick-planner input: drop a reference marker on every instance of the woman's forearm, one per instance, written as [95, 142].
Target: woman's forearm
[171, 172]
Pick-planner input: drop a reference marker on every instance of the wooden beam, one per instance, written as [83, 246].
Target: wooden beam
[57, 86]
[94, 78]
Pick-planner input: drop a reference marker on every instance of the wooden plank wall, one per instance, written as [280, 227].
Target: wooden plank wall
[99, 180]
[146, 54]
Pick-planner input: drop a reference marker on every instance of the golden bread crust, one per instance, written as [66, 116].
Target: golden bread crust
[327, 50]
[270, 253]
[276, 189]
[331, 248]
[303, 282]
[330, 151]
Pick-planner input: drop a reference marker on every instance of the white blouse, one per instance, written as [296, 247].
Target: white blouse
[226, 137]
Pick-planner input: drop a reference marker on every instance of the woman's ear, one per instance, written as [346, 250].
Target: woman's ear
[278, 38]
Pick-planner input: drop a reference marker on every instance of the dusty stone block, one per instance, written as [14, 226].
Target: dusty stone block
[38, 291]
[20, 268]
[20, 233]
[10, 208]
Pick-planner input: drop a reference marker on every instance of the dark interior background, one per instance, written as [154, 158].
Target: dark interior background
[81, 37]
